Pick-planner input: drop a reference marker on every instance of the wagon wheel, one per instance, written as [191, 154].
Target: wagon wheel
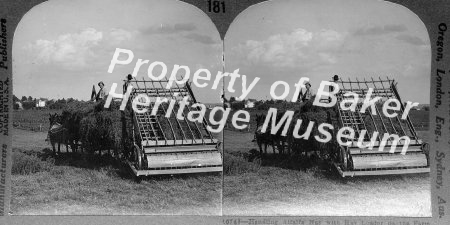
[327, 153]
[218, 145]
[426, 150]
[137, 156]
[289, 146]
[343, 157]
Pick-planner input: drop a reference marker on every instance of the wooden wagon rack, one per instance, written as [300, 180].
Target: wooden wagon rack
[164, 144]
[355, 161]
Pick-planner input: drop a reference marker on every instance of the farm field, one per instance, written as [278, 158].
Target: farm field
[76, 185]
[79, 185]
[35, 120]
[251, 189]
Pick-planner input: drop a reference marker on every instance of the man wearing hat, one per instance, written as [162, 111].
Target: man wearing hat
[308, 93]
[335, 80]
[101, 93]
[127, 82]
[304, 97]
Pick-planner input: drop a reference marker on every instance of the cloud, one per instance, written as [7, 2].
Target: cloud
[299, 48]
[204, 39]
[185, 28]
[168, 29]
[117, 35]
[75, 51]
[380, 30]
[413, 40]
[69, 50]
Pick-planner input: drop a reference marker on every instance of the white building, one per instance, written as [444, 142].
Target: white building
[250, 103]
[40, 103]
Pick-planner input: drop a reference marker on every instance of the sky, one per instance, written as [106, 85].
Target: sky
[287, 39]
[62, 48]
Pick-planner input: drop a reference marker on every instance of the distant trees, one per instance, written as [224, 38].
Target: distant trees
[28, 105]
[60, 103]
[30, 102]
[237, 105]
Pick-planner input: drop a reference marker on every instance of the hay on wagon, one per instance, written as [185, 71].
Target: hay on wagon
[94, 128]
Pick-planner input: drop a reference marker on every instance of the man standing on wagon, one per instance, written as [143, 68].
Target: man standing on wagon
[127, 82]
[101, 93]
[308, 93]
[303, 98]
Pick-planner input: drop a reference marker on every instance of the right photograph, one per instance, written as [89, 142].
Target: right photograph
[337, 96]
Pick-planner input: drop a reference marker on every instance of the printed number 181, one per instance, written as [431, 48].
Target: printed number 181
[216, 6]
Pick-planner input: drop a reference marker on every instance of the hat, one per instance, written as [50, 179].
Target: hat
[335, 77]
[129, 77]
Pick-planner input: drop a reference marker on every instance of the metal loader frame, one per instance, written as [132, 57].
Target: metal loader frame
[169, 138]
[386, 89]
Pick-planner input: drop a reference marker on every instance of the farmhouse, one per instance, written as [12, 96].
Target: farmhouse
[40, 103]
[18, 105]
[249, 103]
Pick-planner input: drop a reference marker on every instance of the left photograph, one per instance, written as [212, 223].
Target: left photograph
[107, 120]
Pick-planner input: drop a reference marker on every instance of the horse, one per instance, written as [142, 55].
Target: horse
[261, 138]
[71, 123]
[277, 140]
[56, 133]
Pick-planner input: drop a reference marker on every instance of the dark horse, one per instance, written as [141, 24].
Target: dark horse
[72, 123]
[56, 133]
[266, 138]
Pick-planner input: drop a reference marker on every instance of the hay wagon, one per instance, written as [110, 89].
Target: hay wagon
[352, 160]
[167, 145]
[355, 161]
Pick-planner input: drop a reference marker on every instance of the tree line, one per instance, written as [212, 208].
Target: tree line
[30, 102]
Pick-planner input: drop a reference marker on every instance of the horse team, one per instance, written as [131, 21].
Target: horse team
[60, 133]
[286, 144]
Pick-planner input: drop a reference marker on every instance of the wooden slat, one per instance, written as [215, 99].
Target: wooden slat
[196, 159]
[174, 171]
[380, 172]
[388, 161]
[182, 148]
[375, 150]
[176, 142]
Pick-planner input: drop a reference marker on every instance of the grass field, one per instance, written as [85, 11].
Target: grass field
[69, 185]
[274, 190]
[35, 120]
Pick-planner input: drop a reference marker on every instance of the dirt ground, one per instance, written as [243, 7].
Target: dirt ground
[276, 191]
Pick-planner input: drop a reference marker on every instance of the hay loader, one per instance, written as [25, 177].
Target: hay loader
[167, 145]
[355, 161]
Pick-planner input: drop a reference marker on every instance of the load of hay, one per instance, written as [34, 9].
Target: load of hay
[310, 113]
[96, 128]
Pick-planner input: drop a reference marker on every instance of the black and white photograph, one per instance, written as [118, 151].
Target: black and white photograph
[72, 155]
[358, 46]
[232, 112]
